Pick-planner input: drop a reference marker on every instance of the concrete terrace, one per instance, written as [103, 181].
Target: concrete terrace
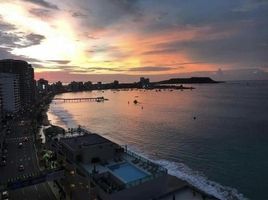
[78, 142]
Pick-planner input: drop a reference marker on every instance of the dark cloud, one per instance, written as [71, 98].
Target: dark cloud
[64, 62]
[243, 42]
[105, 13]
[161, 51]
[121, 69]
[7, 39]
[78, 14]
[43, 3]
[38, 66]
[5, 26]
[105, 69]
[102, 48]
[5, 53]
[163, 17]
[113, 51]
[40, 12]
[150, 69]
[248, 47]
[11, 38]
[65, 68]
[19, 40]
[92, 37]
[32, 39]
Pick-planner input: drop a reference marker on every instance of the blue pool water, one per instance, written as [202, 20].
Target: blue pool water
[127, 172]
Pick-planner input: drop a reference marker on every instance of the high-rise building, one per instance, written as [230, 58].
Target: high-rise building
[57, 87]
[1, 108]
[10, 92]
[1, 121]
[88, 85]
[42, 85]
[26, 78]
[144, 82]
[76, 86]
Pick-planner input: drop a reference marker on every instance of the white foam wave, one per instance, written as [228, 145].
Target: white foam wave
[201, 182]
[63, 116]
[195, 178]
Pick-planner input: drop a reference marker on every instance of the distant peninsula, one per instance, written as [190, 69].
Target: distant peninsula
[192, 80]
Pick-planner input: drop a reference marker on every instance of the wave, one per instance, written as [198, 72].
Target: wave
[194, 178]
[201, 182]
[63, 116]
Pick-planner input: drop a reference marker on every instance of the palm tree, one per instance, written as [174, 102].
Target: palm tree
[95, 160]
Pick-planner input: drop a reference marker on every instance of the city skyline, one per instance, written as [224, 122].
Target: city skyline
[121, 39]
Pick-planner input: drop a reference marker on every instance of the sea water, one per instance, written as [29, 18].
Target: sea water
[215, 136]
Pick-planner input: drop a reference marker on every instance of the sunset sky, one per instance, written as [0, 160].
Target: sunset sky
[81, 39]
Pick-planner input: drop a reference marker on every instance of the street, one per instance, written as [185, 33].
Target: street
[22, 155]
[36, 192]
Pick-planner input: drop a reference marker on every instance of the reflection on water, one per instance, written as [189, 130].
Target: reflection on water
[219, 130]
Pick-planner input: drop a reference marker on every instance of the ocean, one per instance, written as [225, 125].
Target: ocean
[215, 136]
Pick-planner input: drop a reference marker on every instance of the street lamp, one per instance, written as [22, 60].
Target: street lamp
[72, 186]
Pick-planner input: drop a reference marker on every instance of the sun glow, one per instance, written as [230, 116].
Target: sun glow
[60, 41]
[60, 44]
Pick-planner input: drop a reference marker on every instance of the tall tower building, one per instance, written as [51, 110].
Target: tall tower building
[26, 79]
[1, 120]
[1, 108]
[10, 95]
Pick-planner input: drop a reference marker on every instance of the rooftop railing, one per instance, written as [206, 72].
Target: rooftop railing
[146, 161]
[153, 171]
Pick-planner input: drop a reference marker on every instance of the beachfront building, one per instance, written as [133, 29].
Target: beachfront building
[144, 82]
[1, 107]
[57, 87]
[25, 73]
[1, 120]
[10, 94]
[42, 86]
[97, 168]
[109, 170]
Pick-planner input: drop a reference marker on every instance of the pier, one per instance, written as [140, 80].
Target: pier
[95, 99]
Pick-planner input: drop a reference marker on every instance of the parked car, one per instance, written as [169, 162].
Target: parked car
[8, 131]
[20, 145]
[21, 168]
[3, 163]
[4, 157]
[4, 195]
[25, 139]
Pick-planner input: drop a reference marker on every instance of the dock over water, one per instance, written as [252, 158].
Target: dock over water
[95, 99]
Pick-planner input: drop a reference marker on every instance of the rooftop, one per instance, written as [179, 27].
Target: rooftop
[83, 141]
[126, 171]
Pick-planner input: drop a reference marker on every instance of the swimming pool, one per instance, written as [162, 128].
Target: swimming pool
[127, 172]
